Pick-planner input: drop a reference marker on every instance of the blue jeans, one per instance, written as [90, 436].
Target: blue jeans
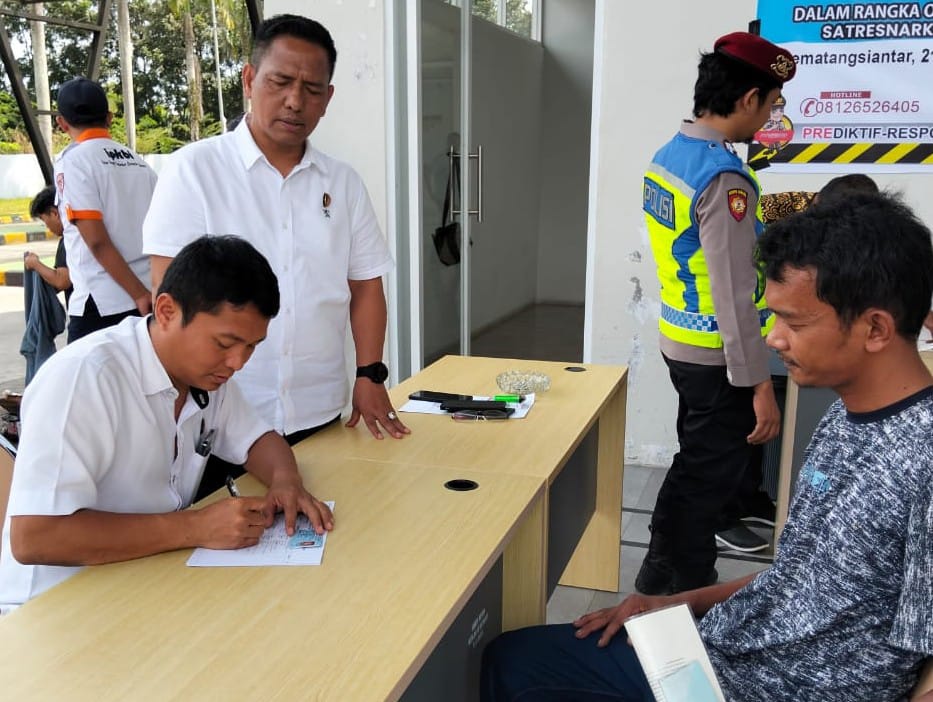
[550, 664]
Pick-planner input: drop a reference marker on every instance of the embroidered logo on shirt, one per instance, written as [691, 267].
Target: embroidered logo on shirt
[326, 200]
[738, 203]
[60, 182]
[816, 479]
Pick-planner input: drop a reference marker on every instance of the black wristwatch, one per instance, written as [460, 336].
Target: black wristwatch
[377, 372]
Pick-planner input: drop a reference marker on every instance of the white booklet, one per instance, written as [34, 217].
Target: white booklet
[275, 548]
[672, 654]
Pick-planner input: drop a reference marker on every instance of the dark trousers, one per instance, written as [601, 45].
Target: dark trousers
[714, 465]
[550, 664]
[217, 469]
[91, 320]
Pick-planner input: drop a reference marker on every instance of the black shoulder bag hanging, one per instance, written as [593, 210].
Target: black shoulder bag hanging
[447, 236]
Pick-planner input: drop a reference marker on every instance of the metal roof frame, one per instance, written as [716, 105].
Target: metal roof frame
[98, 30]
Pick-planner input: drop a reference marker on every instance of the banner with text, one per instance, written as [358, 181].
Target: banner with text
[862, 99]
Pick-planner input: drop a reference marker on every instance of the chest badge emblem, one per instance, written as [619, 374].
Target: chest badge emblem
[325, 201]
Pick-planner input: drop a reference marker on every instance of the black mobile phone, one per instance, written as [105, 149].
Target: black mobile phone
[431, 396]
[459, 405]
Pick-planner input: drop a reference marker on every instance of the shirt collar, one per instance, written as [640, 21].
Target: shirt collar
[250, 152]
[153, 377]
[93, 133]
[701, 131]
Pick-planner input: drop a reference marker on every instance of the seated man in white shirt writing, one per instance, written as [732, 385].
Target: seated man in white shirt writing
[118, 426]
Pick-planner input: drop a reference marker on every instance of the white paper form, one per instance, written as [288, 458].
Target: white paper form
[424, 407]
[275, 548]
[673, 656]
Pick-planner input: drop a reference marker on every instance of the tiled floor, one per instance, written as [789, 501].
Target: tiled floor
[539, 332]
[639, 491]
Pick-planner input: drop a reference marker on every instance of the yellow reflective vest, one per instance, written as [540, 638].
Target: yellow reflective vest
[677, 176]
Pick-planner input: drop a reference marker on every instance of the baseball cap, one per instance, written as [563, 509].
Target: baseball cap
[82, 101]
[761, 54]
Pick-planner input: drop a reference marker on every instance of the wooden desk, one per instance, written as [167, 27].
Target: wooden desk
[406, 556]
[927, 357]
[579, 421]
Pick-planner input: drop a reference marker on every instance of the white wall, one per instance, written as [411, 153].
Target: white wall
[20, 175]
[354, 128]
[566, 101]
[506, 121]
[643, 88]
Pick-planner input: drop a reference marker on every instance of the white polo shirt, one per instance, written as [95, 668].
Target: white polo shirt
[318, 230]
[98, 178]
[99, 432]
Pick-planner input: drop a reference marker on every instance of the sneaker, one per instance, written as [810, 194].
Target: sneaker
[654, 578]
[740, 538]
[761, 511]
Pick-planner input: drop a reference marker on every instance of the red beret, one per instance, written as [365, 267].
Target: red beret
[758, 53]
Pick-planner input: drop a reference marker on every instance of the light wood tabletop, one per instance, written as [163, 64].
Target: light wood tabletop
[404, 558]
[927, 357]
[537, 445]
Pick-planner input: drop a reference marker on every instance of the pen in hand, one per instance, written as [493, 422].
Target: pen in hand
[232, 488]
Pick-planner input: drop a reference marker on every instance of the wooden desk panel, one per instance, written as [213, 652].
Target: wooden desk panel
[537, 445]
[405, 557]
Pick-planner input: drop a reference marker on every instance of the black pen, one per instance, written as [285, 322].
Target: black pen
[232, 488]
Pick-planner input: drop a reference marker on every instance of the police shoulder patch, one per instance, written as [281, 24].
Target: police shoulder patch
[738, 203]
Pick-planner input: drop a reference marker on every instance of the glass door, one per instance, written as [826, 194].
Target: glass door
[444, 93]
[475, 186]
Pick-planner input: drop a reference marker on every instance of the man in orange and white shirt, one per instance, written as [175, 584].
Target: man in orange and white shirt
[103, 193]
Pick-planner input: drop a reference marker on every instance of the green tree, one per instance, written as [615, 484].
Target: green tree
[168, 72]
[517, 14]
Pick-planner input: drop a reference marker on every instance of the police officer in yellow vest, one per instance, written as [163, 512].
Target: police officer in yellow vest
[700, 204]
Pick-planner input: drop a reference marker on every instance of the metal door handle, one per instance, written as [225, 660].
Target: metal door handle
[478, 156]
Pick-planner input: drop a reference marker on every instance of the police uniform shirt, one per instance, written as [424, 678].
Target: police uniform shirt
[316, 227]
[728, 244]
[99, 432]
[97, 178]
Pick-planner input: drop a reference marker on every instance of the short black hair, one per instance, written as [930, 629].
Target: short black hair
[868, 250]
[843, 186]
[214, 270]
[42, 202]
[295, 26]
[722, 80]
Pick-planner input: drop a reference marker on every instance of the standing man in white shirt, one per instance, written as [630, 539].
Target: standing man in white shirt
[117, 429]
[310, 216]
[103, 191]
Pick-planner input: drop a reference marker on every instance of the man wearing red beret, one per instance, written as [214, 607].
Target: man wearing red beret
[700, 203]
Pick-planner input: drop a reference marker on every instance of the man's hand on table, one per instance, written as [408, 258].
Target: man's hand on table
[371, 402]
